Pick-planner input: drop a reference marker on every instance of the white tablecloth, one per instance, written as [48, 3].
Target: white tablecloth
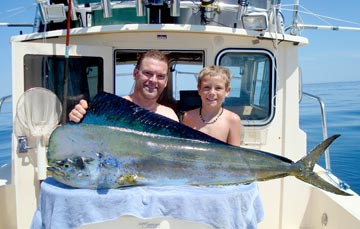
[225, 207]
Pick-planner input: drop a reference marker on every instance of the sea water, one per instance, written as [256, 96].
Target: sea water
[342, 108]
[5, 133]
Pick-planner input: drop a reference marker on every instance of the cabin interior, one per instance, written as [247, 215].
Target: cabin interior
[252, 84]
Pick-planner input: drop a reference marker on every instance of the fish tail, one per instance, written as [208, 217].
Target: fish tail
[307, 164]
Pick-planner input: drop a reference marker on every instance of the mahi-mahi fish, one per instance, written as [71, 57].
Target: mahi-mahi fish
[119, 144]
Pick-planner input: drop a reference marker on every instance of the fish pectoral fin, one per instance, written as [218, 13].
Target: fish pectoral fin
[128, 179]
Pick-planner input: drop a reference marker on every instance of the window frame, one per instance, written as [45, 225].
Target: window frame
[272, 80]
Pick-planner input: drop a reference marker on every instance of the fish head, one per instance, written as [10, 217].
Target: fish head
[76, 171]
[94, 170]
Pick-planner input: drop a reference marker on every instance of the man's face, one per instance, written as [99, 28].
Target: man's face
[151, 78]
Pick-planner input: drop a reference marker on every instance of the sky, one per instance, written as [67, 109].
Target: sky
[330, 56]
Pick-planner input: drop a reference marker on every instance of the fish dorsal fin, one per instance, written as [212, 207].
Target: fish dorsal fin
[111, 110]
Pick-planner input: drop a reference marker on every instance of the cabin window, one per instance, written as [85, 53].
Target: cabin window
[85, 76]
[252, 86]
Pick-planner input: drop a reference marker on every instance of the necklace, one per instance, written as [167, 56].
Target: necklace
[217, 117]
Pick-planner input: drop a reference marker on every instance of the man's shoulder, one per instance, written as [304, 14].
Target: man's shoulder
[127, 97]
[168, 112]
[165, 108]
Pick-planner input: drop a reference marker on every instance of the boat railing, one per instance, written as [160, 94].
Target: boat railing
[3, 99]
[332, 178]
[256, 15]
[324, 126]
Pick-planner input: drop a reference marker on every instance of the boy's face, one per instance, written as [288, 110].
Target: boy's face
[212, 90]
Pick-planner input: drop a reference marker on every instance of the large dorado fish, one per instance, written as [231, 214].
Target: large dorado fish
[121, 144]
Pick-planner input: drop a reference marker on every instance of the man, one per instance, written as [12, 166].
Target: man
[151, 77]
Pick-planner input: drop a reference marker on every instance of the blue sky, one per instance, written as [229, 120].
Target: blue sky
[331, 56]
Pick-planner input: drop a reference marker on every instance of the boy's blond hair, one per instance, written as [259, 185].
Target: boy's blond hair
[215, 70]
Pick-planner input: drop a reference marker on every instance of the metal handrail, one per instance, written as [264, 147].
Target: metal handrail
[3, 99]
[324, 127]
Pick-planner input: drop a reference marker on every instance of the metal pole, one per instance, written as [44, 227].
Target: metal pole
[324, 127]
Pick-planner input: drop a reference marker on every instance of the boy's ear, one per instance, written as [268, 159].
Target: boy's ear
[228, 90]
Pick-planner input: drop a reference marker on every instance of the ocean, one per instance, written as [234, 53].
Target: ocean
[342, 108]
[5, 133]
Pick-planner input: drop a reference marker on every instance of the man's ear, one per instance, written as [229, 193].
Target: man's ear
[135, 72]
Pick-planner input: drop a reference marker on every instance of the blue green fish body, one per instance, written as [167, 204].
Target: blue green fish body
[120, 144]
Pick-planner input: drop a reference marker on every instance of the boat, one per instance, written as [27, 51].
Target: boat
[82, 47]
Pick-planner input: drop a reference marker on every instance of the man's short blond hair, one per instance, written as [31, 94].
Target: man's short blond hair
[154, 54]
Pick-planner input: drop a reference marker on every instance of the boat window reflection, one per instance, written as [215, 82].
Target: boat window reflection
[85, 76]
[252, 84]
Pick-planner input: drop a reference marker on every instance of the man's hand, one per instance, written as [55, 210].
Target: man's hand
[79, 111]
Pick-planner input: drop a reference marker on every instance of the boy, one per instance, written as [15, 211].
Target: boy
[211, 118]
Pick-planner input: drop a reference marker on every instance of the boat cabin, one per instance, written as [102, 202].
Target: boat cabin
[97, 48]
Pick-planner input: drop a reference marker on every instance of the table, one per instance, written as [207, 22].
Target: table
[225, 207]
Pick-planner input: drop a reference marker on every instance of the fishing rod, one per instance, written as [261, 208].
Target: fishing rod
[329, 27]
[66, 66]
